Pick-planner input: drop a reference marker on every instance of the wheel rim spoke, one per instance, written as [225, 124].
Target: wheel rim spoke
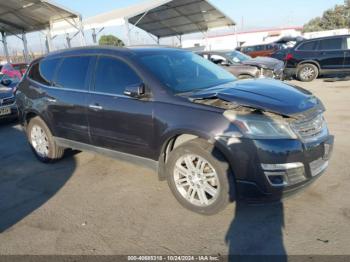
[196, 180]
[39, 141]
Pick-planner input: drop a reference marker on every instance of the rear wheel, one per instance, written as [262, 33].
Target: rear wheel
[307, 72]
[199, 177]
[42, 141]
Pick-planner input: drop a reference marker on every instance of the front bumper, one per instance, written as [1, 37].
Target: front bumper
[269, 170]
[12, 115]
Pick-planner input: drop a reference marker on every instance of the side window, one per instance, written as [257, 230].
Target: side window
[47, 69]
[308, 46]
[348, 43]
[331, 44]
[34, 74]
[113, 76]
[73, 72]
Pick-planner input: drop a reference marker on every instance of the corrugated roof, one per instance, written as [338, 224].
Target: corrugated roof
[18, 16]
[164, 18]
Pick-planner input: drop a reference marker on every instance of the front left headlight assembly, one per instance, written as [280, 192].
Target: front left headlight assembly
[263, 127]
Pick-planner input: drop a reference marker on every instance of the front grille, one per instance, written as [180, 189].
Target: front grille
[310, 129]
[7, 101]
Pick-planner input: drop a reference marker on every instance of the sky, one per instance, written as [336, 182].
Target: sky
[248, 14]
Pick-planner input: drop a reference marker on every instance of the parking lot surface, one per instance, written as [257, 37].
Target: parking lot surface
[91, 204]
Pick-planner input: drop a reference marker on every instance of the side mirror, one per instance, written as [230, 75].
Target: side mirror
[135, 91]
[6, 82]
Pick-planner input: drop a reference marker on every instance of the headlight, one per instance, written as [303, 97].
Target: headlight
[263, 127]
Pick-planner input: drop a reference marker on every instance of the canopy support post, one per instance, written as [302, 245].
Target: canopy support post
[94, 36]
[6, 50]
[25, 45]
[81, 31]
[128, 36]
[48, 41]
[68, 39]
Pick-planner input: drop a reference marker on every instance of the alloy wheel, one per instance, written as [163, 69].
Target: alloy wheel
[39, 141]
[196, 180]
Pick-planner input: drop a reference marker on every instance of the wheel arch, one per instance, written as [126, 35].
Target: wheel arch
[176, 139]
[313, 62]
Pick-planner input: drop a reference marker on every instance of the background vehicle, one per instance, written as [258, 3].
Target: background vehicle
[8, 108]
[21, 67]
[243, 66]
[9, 70]
[260, 50]
[320, 56]
[213, 138]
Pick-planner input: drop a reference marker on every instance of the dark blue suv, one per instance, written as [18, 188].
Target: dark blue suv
[213, 138]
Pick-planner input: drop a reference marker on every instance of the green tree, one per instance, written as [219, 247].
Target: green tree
[110, 40]
[334, 18]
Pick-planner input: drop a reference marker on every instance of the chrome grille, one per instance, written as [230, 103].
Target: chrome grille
[7, 101]
[311, 129]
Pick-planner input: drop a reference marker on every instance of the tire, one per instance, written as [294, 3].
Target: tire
[47, 143]
[242, 77]
[307, 72]
[223, 182]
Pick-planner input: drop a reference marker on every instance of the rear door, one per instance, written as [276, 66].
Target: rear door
[331, 54]
[67, 98]
[117, 121]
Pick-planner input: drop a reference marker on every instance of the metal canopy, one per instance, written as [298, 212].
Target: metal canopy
[179, 17]
[18, 16]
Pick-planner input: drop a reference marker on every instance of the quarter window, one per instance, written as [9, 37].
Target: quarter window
[113, 76]
[331, 44]
[72, 73]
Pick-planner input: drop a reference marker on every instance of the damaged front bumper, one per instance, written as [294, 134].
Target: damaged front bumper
[268, 170]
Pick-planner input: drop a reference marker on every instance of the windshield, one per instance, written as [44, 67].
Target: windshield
[185, 71]
[238, 57]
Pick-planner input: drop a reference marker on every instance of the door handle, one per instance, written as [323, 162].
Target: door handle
[95, 107]
[51, 100]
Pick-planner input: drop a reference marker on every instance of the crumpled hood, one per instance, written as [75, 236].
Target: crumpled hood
[265, 62]
[6, 92]
[263, 94]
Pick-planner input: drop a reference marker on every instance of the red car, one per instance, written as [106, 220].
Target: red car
[9, 70]
[21, 67]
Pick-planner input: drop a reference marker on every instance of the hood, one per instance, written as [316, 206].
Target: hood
[6, 92]
[265, 62]
[263, 94]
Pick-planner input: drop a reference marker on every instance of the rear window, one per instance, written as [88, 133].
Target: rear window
[308, 46]
[72, 73]
[331, 44]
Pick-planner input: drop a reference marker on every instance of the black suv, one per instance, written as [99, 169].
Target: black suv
[320, 56]
[212, 137]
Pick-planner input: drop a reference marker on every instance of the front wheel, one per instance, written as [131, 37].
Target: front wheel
[199, 177]
[307, 72]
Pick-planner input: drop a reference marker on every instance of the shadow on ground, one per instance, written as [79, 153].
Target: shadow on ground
[25, 183]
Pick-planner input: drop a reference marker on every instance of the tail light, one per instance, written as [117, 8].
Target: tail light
[288, 57]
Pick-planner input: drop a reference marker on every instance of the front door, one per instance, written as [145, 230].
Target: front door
[116, 121]
[331, 54]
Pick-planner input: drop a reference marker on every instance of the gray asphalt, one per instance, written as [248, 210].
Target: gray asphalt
[91, 204]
